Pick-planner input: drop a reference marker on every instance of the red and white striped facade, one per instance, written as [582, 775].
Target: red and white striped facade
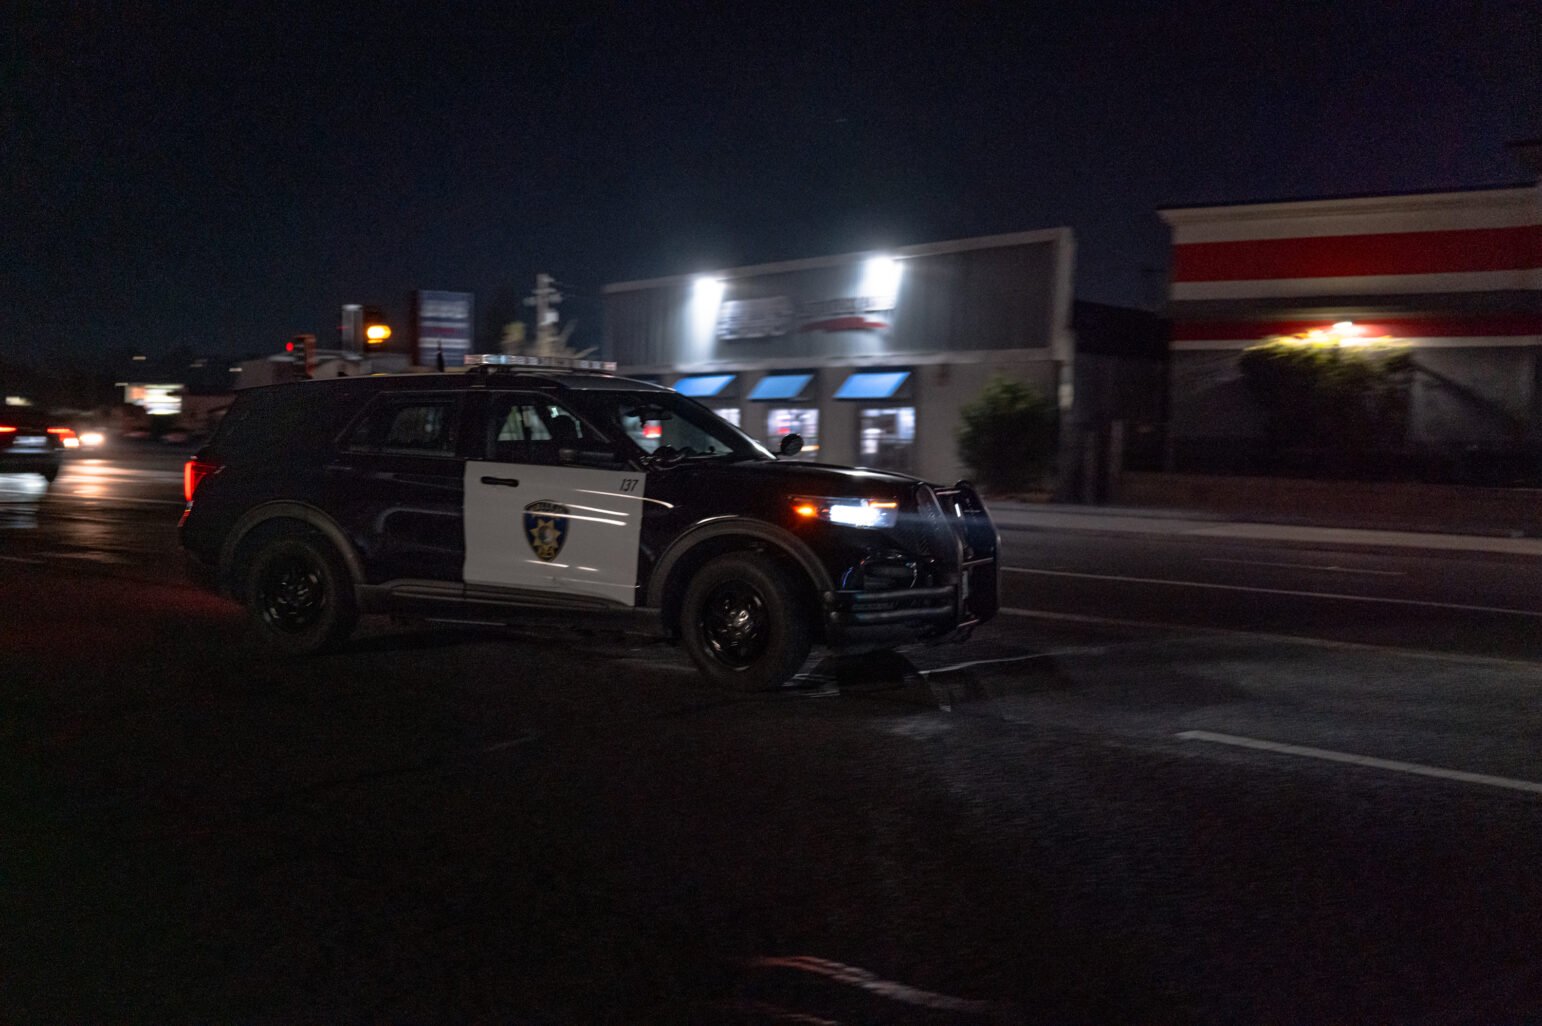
[1448, 269]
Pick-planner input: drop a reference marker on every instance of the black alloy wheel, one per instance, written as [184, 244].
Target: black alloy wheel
[745, 622]
[734, 623]
[292, 593]
[299, 594]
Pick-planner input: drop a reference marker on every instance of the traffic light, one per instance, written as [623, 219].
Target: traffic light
[376, 330]
[304, 347]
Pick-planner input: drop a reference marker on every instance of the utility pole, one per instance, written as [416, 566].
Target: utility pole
[544, 299]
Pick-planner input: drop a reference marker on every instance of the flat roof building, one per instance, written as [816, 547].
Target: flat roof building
[1453, 277]
[868, 356]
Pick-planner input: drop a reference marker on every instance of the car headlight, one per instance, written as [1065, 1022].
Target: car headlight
[849, 512]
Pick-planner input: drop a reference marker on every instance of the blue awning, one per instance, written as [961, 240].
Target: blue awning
[872, 385]
[781, 386]
[703, 386]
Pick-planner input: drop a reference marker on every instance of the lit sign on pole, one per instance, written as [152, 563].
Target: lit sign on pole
[443, 324]
[156, 400]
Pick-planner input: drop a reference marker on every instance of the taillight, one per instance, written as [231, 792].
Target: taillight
[66, 437]
[7, 430]
[193, 472]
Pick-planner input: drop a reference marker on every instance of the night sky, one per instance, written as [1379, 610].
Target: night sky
[223, 178]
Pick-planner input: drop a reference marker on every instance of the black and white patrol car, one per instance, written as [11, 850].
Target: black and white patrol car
[511, 491]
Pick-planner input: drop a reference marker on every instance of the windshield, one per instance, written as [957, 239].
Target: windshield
[653, 420]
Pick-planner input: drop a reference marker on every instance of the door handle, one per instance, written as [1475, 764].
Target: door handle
[507, 482]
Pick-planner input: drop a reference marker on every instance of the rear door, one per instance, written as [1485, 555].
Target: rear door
[551, 509]
[396, 483]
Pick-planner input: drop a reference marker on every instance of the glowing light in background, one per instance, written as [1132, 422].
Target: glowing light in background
[1340, 334]
[881, 281]
[706, 298]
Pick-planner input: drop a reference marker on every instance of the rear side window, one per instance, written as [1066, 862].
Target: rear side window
[407, 425]
[271, 423]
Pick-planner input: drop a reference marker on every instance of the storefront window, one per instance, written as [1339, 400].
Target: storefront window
[794, 420]
[728, 413]
[888, 437]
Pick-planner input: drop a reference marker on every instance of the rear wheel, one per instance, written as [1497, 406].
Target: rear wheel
[299, 594]
[50, 473]
[742, 625]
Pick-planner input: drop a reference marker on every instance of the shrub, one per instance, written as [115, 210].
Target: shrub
[1007, 436]
[1341, 404]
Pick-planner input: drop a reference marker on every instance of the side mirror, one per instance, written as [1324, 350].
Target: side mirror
[792, 444]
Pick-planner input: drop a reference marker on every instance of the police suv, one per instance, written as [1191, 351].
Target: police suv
[513, 490]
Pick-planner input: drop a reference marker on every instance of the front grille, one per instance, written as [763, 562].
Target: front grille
[936, 535]
[971, 524]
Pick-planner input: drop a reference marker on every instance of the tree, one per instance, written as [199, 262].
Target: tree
[1007, 436]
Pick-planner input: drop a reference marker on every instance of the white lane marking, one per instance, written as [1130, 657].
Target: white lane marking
[1379, 539]
[1082, 650]
[513, 742]
[1307, 566]
[1396, 766]
[861, 978]
[1298, 639]
[1423, 603]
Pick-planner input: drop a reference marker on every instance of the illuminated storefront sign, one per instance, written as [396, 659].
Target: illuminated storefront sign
[156, 400]
[754, 318]
[874, 292]
[769, 318]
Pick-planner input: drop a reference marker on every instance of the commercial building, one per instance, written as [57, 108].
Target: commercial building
[868, 356]
[1453, 276]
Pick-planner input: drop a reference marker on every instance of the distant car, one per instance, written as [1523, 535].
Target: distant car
[32, 444]
[91, 436]
[512, 490]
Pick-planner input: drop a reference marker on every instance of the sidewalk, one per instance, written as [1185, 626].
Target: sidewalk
[1027, 516]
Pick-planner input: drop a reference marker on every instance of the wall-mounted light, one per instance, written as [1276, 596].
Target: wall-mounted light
[881, 281]
[1338, 335]
[706, 297]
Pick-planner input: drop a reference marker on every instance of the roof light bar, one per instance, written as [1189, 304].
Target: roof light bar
[546, 362]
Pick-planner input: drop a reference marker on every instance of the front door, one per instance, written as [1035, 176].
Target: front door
[539, 522]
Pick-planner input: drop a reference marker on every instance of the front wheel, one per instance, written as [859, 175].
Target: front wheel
[299, 595]
[742, 625]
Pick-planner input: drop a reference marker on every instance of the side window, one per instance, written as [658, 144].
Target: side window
[524, 428]
[407, 425]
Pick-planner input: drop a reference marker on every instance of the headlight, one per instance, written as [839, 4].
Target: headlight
[849, 512]
[92, 439]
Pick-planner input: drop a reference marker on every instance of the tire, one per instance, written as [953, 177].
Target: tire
[742, 624]
[299, 595]
[51, 473]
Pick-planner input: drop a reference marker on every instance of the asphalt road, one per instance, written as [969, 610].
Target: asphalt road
[1182, 779]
